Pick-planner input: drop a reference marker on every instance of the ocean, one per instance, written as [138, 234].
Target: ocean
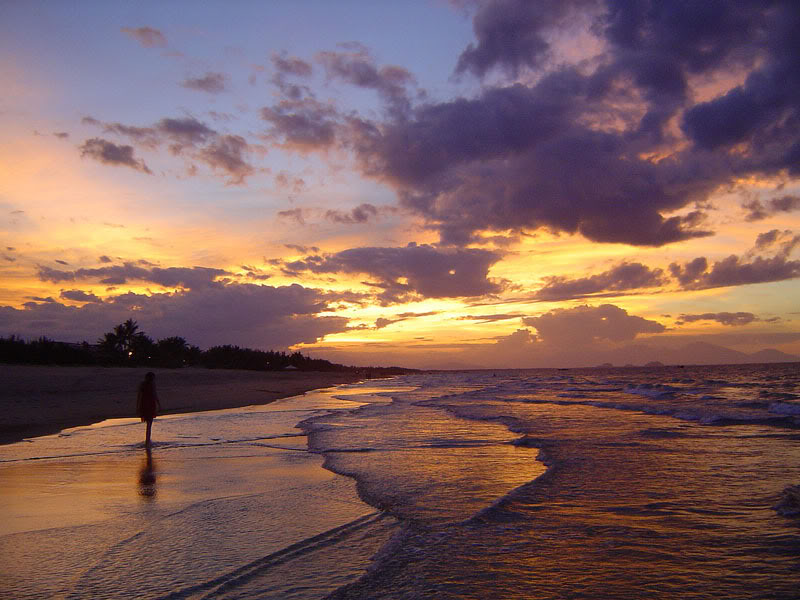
[619, 483]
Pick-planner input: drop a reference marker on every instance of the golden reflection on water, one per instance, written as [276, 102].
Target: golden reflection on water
[71, 491]
[147, 477]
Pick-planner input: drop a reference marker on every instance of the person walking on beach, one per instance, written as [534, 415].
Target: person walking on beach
[147, 404]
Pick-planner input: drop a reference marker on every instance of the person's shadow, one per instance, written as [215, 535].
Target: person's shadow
[147, 477]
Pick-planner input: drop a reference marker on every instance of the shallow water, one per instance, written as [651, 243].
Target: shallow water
[661, 483]
[619, 483]
[226, 499]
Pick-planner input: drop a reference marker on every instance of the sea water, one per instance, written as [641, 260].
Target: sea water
[595, 483]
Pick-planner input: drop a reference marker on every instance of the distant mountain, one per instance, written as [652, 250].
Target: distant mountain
[772, 355]
[696, 353]
[703, 353]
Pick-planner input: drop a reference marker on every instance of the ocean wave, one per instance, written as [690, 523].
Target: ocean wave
[789, 504]
[785, 408]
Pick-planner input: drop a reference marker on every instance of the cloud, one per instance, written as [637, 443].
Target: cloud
[213, 83]
[226, 153]
[181, 131]
[360, 214]
[690, 271]
[291, 65]
[285, 181]
[187, 130]
[295, 214]
[586, 325]
[412, 271]
[761, 115]
[302, 124]
[490, 318]
[382, 322]
[511, 34]
[734, 270]
[79, 296]
[188, 136]
[623, 277]
[590, 147]
[147, 36]
[356, 66]
[515, 159]
[758, 210]
[184, 277]
[724, 318]
[785, 241]
[110, 153]
[257, 316]
[302, 249]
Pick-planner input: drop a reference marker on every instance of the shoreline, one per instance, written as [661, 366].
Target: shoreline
[43, 400]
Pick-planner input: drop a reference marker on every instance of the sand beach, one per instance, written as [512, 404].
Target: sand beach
[40, 400]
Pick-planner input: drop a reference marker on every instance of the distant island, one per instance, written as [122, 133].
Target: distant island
[126, 346]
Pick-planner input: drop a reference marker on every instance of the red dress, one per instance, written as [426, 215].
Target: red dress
[147, 401]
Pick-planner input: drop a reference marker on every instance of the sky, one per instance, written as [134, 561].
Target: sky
[426, 183]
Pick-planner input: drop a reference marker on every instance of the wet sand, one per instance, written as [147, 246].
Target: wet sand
[41, 400]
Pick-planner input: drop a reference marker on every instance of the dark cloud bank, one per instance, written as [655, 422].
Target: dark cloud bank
[258, 316]
[411, 272]
[567, 152]
[621, 147]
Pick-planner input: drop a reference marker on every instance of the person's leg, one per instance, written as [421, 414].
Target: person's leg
[147, 434]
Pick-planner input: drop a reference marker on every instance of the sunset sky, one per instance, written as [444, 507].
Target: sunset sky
[421, 183]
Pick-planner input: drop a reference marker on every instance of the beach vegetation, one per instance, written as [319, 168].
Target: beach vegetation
[126, 345]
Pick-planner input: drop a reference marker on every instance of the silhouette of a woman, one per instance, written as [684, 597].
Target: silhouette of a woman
[147, 404]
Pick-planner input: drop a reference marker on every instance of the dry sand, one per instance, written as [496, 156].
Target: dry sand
[38, 400]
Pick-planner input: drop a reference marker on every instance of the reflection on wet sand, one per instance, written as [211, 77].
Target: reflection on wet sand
[147, 477]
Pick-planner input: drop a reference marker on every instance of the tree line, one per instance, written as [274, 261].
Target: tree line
[126, 345]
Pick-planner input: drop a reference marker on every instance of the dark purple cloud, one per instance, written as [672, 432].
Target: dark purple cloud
[762, 115]
[147, 36]
[560, 153]
[782, 242]
[769, 238]
[182, 131]
[257, 316]
[690, 271]
[413, 270]
[589, 324]
[110, 153]
[303, 124]
[511, 34]
[514, 159]
[185, 277]
[356, 66]
[79, 296]
[724, 318]
[382, 322]
[623, 277]
[758, 210]
[734, 270]
[226, 153]
[360, 214]
[287, 67]
[213, 83]
[303, 249]
[187, 130]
